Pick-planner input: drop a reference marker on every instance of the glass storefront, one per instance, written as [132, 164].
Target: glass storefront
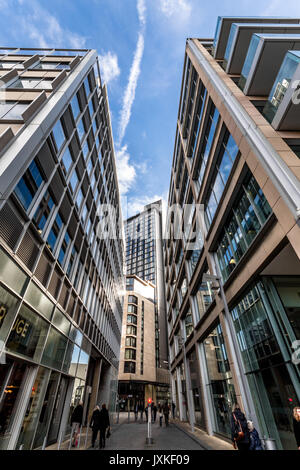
[272, 377]
[12, 376]
[220, 381]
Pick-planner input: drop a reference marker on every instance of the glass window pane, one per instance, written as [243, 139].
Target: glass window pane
[59, 135]
[11, 274]
[38, 300]
[54, 351]
[28, 334]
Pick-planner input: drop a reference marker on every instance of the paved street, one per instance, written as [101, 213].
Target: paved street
[132, 436]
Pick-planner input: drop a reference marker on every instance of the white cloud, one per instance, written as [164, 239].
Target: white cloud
[136, 204]
[126, 171]
[141, 8]
[109, 66]
[40, 26]
[134, 74]
[171, 8]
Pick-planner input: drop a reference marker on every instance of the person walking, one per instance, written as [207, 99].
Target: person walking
[95, 424]
[239, 430]
[146, 413]
[136, 411]
[255, 442]
[76, 422]
[296, 425]
[166, 411]
[103, 425]
[141, 408]
[160, 414]
[173, 409]
[154, 411]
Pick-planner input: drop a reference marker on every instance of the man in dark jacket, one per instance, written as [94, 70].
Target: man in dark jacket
[95, 424]
[239, 429]
[103, 424]
[76, 421]
[166, 411]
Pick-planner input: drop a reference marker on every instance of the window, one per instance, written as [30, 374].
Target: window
[54, 232]
[80, 130]
[188, 324]
[66, 161]
[74, 181]
[227, 156]
[132, 319]
[58, 135]
[204, 296]
[129, 367]
[64, 247]
[130, 354]
[130, 341]
[12, 110]
[131, 330]
[132, 299]
[75, 107]
[73, 257]
[132, 309]
[85, 150]
[246, 219]
[79, 199]
[29, 185]
[42, 213]
[87, 87]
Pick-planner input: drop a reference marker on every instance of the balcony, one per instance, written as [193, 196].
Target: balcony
[224, 25]
[264, 58]
[240, 37]
[282, 108]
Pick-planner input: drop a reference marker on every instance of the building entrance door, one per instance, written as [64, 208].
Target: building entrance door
[57, 411]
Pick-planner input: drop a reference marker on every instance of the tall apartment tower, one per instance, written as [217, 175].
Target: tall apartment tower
[144, 258]
[234, 298]
[139, 378]
[61, 281]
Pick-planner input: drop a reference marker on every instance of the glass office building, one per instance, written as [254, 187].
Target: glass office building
[232, 290]
[61, 282]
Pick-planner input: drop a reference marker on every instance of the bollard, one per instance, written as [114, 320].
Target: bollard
[149, 439]
[269, 443]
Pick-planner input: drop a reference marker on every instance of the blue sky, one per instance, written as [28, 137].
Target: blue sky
[141, 47]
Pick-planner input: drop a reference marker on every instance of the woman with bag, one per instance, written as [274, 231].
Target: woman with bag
[239, 429]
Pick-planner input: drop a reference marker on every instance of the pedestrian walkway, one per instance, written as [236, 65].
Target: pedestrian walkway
[132, 436]
[208, 442]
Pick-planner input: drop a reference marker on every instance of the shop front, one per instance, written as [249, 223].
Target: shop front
[266, 325]
[220, 382]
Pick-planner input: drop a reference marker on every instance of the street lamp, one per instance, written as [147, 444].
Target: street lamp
[181, 342]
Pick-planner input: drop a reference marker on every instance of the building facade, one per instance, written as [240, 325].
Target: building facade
[233, 300]
[61, 281]
[144, 258]
[138, 377]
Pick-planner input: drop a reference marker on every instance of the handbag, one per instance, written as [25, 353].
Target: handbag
[240, 433]
[108, 433]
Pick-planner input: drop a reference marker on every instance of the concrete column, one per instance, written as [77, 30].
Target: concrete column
[95, 388]
[209, 412]
[181, 398]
